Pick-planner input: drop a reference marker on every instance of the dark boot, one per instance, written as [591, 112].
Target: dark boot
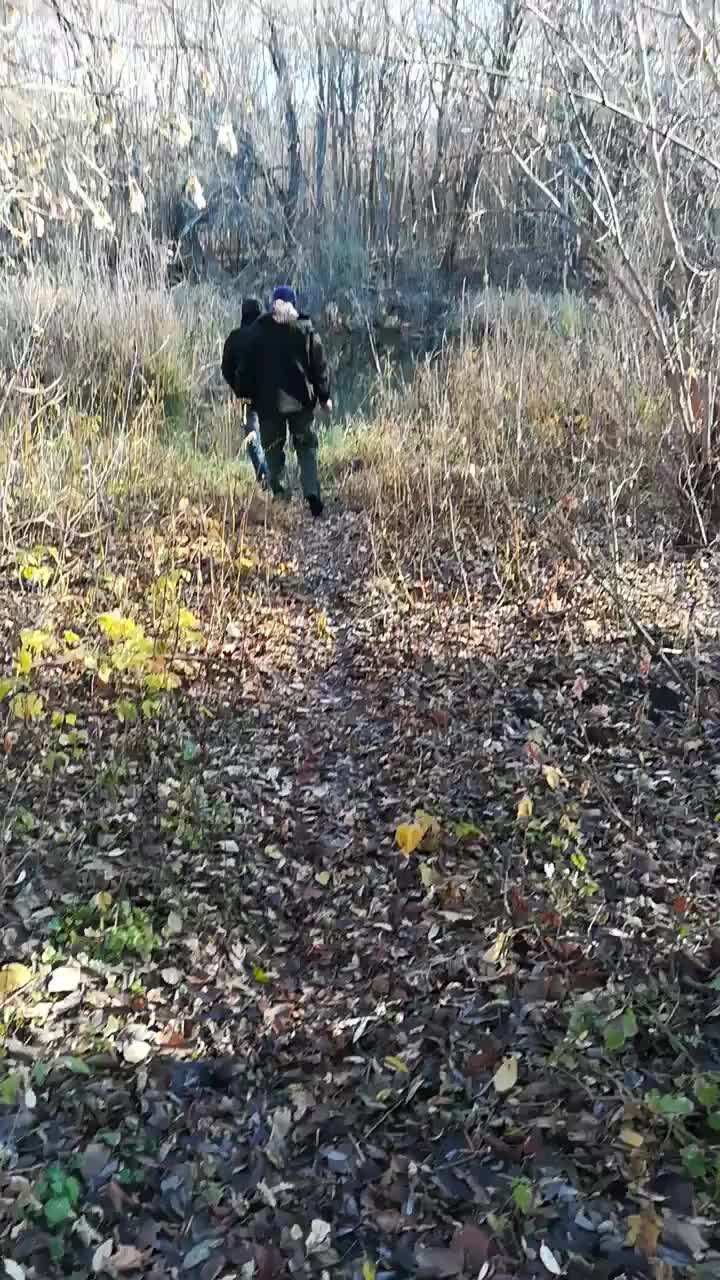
[316, 505]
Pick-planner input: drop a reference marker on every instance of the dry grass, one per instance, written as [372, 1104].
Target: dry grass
[538, 403]
[112, 408]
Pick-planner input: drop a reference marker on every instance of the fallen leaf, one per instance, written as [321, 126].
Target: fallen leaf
[425, 820]
[136, 1051]
[171, 976]
[171, 1038]
[549, 1261]
[631, 1138]
[662, 1270]
[9, 1089]
[268, 1262]
[518, 905]
[76, 1065]
[439, 1263]
[525, 808]
[679, 905]
[505, 1077]
[13, 1269]
[484, 1058]
[429, 876]
[281, 1123]
[102, 1256]
[396, 1064]
[175, 923]
[580, 687]
[474, 1243]
[65, 979]
[13, 977]
[552, 776]
[199, 1253]
[127, 1258]
[644, 1231]
[467, 831]
[318, 1237]
[685, 1234]
[408, 837]
[495, 952]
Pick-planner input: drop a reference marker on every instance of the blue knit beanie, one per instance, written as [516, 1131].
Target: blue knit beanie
[284, 293]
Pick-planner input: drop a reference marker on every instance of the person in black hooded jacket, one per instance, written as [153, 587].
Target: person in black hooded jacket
[236, 373]
[290, 378]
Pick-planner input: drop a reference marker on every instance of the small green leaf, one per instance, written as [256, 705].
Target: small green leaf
[369, 1270]
[614, 1036]
[714, 1121]
[706, 1091]
[76, 1065]
[467, 831]
[259, 974]
[73, 1189]
[619, 1030]
[110, 1137]
[57, 1211]
[9, 1090]
[629, 1023]
[522, 1195]
[695, 1162]
[396, 1064]
[40, 1074]
[669, 1105]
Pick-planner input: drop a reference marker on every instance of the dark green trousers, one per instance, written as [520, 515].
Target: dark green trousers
[273, 435]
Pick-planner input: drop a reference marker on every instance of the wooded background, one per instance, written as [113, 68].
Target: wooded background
[357, 138]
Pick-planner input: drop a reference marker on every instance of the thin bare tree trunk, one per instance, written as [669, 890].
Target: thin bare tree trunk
[294, 170]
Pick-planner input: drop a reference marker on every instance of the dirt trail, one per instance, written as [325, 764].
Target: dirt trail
[330, 1056]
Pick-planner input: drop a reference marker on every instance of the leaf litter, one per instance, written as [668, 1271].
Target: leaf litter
[332, 1039]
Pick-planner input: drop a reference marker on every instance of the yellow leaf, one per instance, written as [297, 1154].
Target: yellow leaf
[505, 1077]
[27, 706]
[35, 640]
[631, 1137]
[368, 1270]
[553, 776]
[103, 900]
[408, 836]
[494, 953]
[397, 1064]
[525, 808]
[13, 977]
[23, 662]
[323, 878]
[644, 1231]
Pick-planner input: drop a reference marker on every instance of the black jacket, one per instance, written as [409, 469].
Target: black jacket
[286, 363]
[235, 368]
